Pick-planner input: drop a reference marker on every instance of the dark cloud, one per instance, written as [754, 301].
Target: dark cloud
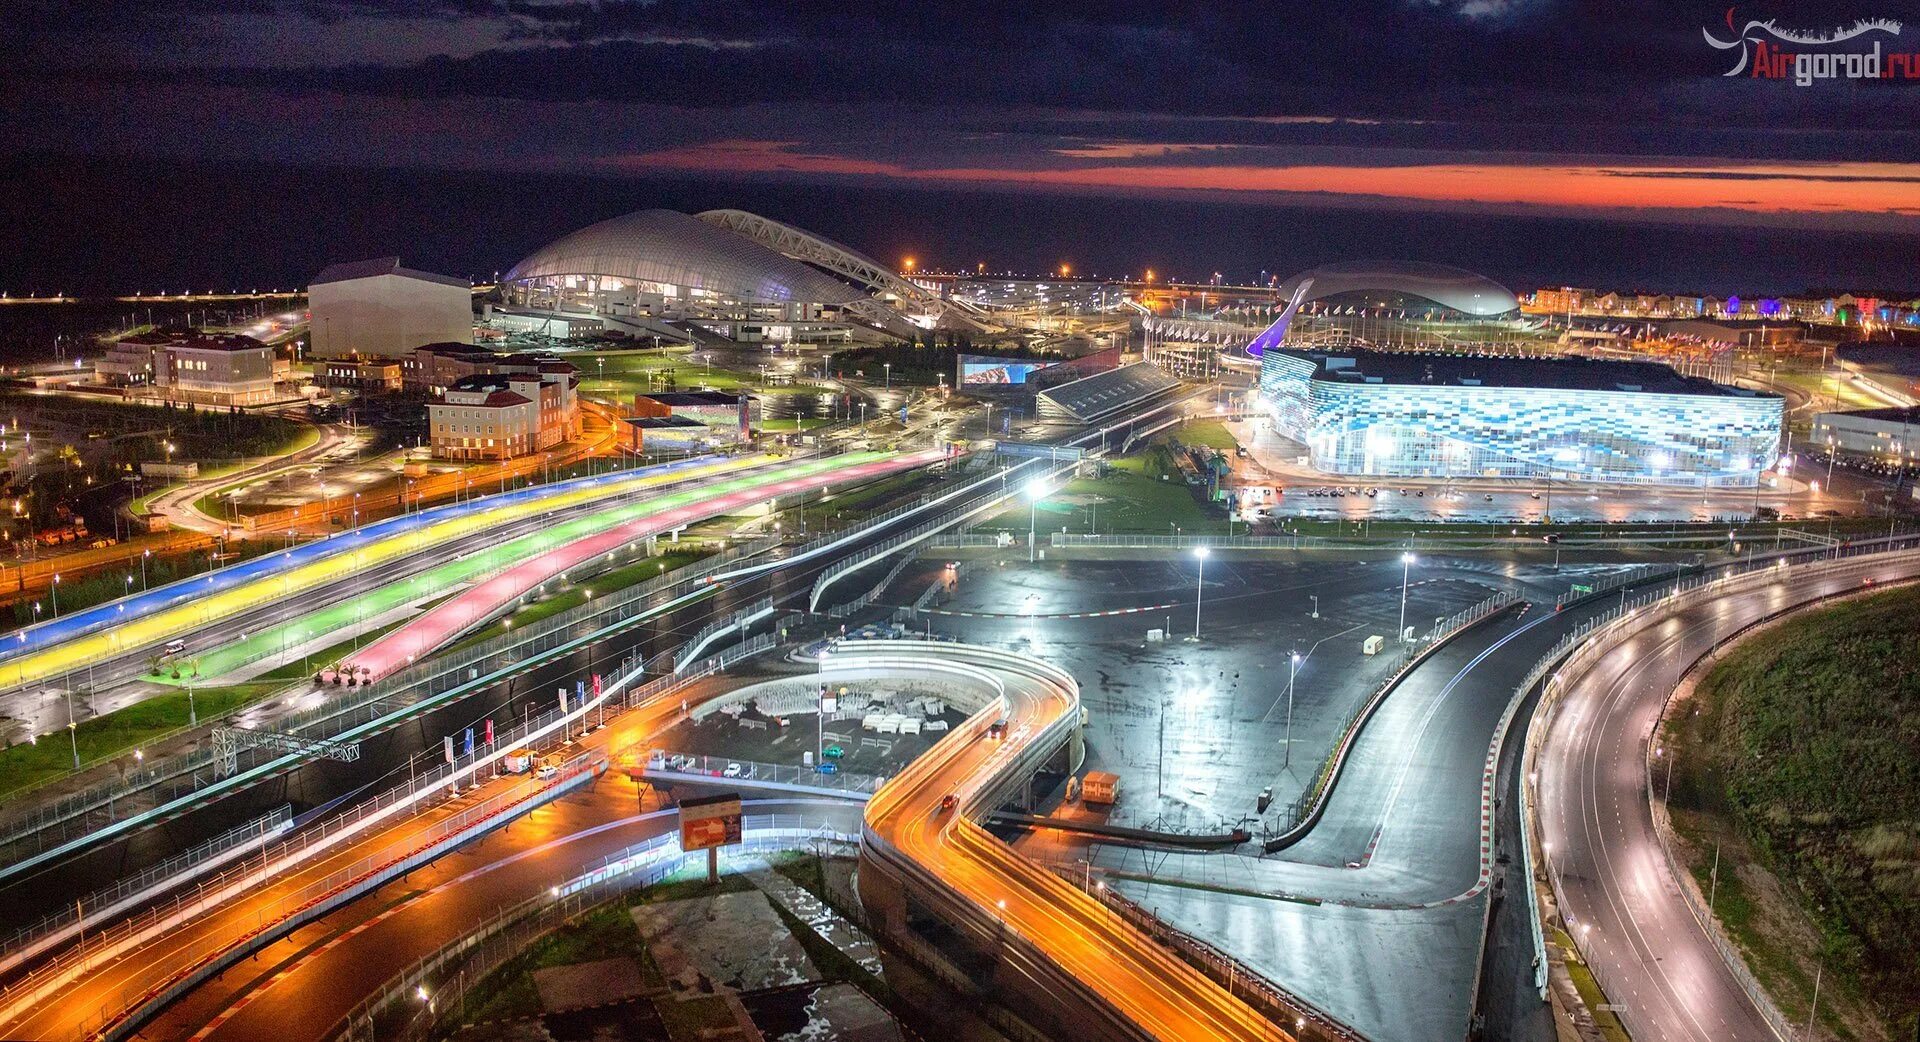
[1519, 62]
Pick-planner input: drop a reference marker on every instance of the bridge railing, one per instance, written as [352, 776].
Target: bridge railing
[173, 777]
[141, 886]
[411, 1004]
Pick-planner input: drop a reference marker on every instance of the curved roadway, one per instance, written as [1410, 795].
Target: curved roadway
[1655, 960]
[906, 826]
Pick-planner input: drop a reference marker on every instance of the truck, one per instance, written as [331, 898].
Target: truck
[1100, 787]
[519, 761]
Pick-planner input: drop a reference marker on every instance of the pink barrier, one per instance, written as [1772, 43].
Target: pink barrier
[452, 616]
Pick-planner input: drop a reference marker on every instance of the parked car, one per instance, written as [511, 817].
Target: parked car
[827, 767]
[833, 752]
[733, 770]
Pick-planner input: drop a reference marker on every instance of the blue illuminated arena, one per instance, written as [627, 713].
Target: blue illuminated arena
[1375, 413]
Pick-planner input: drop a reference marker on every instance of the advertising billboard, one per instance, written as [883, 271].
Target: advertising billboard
[980, 369]
[709, 821]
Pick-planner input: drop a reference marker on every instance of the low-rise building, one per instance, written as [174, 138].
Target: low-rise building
[191, 366]
[372, 376]
[435, 367]
[1888, 434]
[733, 415]
[666, 434]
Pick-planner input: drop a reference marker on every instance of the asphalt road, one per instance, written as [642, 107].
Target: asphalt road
[110, 683]
[301, 986]
[1648, 951]
[385, 756]
[944, 848]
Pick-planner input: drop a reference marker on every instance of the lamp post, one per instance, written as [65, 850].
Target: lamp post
[143, 568]
[56, 595]
[888, 366]
[73, 729]
[1406, 568]
[1199, 587]
[1293, 666]
[1036, 491]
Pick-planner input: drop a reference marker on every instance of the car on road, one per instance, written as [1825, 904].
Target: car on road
[733, 770]
[827, 767]
[947, 803]
[997, 729]
[833, 752]
[174, 647]
[547, 769]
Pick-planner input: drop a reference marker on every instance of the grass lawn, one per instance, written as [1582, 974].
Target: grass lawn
[1606, 1020]
[626, 374]
[121, 731]
[606, 932]
[1211, 433]
[805, 424]
[1132, 498]
[1797, 759]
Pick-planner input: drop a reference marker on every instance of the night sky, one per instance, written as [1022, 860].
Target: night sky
[1615, 113]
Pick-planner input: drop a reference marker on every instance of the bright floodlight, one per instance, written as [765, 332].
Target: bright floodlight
[1036, 489]
[1200, 552]
[1296, 656]
[1406, 558]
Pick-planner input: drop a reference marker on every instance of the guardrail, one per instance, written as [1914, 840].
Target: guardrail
[1606, 631]
[926, 530]
[311, 842]
[732, 622]
[418, 999]
[784, 776]
[1304, 812]
[1277, 1004]
[340, 887]
[141, 887]
[414, 686]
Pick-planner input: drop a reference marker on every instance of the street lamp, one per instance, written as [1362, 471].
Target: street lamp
[1406, 567]
[888, 366]
[56, 595]
[1036, 491]
[1199, 587]
[1293, 666]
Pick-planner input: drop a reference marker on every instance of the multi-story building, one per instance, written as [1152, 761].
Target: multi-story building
[1455, 416]
[191, 366]
[503, 416]
[378, 309]
[435, 367]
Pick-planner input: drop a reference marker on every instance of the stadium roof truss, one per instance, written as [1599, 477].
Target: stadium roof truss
[844, 261]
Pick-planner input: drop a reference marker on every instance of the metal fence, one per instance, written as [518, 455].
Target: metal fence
[1599, 635]
[1303, 812]
[169, 779]
[1273, 1002]
[703, 768]
[141, 886]
[311, 841]
[926, 530]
